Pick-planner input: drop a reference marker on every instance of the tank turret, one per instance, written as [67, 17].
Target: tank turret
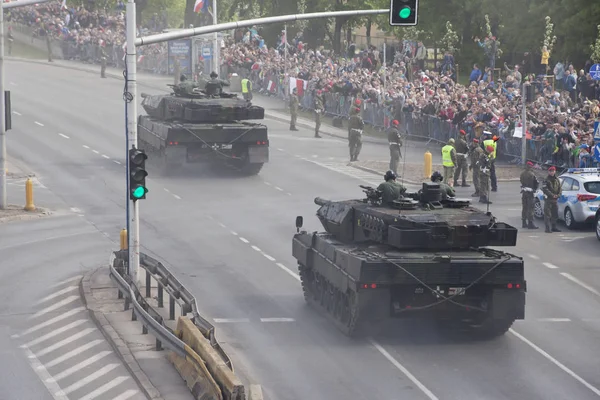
[199, 107]
[419, 220]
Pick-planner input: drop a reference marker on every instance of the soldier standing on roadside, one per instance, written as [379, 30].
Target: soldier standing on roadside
[449, 161]
[395, 140]
[355, 128]
[48, 43]
[462, 151]
[552, 191]
[103, 57]
[319, 109]
[484, 166]
[294, 103]
[529, 184]
[475, 154]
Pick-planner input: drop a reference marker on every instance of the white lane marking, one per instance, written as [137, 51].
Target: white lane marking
[406, 372]
[229, 320]
[268, 257]
[14, 84]
[39, 123]
[177, 197]
[53, 307]
[555, 361]
[278, 188]
[548, 265]
[244, 240]
[315, 156]
[267, 183]
[51, 321]
[256, 248]
[53, 388]
[127, 394]
[90, 378]
[56, 332]
[277, 320]
[210, 217]
[85, 147]
[167, 190]
[222, 225]
[17, 113]
[233, 233]
[73, 353]
[117, 162]
[554, 319]
[56, 294]
[288, 193]
[580, 283]
[68, 280]
[289, 271]
[280, 149]
[66, 341]
[63, 135]
[105, 388]
[47, 239]
[533, 236]
[75, 210]
[533, 256]
[105, 156]
[96, 151]
[89, 361]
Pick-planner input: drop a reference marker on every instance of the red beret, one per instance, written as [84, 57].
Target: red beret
[530, 163]
[475, 141]
[358, 102]
[552, 169]
[395, 122]
[463, 132]
[495, 138]
[357, 109]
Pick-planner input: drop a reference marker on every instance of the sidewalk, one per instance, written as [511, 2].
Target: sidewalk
[152, 370]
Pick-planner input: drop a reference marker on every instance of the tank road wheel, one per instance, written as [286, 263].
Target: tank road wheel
[340, 308]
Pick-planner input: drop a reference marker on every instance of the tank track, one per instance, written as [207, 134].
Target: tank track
[343, 309]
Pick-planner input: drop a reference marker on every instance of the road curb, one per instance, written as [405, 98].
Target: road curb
[26, 215]
[114, 339]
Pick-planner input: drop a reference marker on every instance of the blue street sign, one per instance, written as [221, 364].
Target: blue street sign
[595, 72]
[597, 130]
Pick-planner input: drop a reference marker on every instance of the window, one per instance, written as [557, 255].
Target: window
[567, 184]
[575, 185]
[592, 187]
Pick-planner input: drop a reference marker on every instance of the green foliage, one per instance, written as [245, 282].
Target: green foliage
[596, 49]
[174, 9]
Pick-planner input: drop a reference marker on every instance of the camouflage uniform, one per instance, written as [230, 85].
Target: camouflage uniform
[484, 164]
[529, 185]
[447, 190]
[553, 191]
[354, 138]
[395, 140]
[462, 151]
[476, 154]
[319, 109]
[103, 57]
[294, 103]
[390, 191]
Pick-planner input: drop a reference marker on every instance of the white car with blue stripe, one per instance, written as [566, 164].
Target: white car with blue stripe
[580, 197]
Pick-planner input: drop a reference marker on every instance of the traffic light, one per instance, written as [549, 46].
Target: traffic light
[137, 174]
[404, 12]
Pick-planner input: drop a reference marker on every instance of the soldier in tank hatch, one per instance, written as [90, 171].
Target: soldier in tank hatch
[447, 190]
[214, 86]
[390, 189]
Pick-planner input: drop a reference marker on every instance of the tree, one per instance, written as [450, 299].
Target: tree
[595, 57]
[549, 39]
[450, 39]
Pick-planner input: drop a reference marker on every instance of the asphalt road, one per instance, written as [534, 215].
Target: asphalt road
[229, 239]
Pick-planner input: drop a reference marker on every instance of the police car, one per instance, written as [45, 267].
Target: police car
[580, 198]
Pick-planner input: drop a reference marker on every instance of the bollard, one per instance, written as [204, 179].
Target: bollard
[29, 206]
[428, 164]
[123, 239]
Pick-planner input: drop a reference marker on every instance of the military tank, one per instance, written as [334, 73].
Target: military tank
[195, 127]
[421, 256]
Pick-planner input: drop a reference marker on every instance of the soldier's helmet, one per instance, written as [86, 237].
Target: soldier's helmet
[389, 175]
[182, 78]
[436, 177]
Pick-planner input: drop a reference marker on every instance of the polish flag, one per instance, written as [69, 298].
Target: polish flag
[271, 86]
[199, 5]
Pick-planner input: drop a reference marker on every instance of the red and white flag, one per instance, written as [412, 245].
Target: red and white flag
[271, 86]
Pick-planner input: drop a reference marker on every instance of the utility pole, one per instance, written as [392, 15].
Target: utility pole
[3, 183]
[524, 122]
[384, 69]
[217, 48]
[286, 86]
[133, 208]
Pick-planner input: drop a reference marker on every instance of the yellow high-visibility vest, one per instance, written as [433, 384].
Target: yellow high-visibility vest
[245, 82]
[446, 156]
[492, 143]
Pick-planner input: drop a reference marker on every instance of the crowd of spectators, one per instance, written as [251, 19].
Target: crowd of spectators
[561, 119]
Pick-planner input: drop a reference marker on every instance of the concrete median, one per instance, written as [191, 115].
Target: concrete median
[216, 371]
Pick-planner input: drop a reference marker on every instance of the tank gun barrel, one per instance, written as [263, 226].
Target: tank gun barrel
[321, 201]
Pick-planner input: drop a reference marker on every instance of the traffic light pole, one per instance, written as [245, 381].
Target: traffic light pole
[133, 230]
[524, 122]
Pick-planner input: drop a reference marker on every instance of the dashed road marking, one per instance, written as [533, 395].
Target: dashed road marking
[229, 320]
[233, 233]
[554, 319]
[278, 188]
[222, 225]
[289, 271]
[117, 162]
[85, 147]
[277, 320]
[280, 149]
[96, 151]
[167, 190]
[267, 183]
[268, 257]
[256, 248]
[533, 256]
[105, 156]
[17, 113]
[244, 240]
[63, 135]
[177, 197]
[39, 123]
[548, 265]
[580, 283]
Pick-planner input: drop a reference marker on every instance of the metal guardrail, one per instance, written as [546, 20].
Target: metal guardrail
[177, 293]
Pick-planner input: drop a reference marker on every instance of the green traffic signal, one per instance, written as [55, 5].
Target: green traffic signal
[405, 12]
[139, 192]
